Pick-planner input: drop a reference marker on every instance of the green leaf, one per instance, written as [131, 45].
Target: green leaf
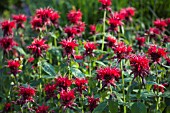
[101, 63]
[100, 108]
[76, 72]
[113, 106]
[20, 50]
[138, 107]
[48, 68]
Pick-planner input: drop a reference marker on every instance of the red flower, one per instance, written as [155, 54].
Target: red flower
[160, 24]
[68, 45]
[45, 15]
[7, 27]
[42, 109]
[153, 32]
[27, 94]
[13, 65]
[20, 19]
[81, 84]
[63, 83]
[108, 75]
[37, 24]
[31, 59]
[74, 16]
[159, 88]
[89, 46]
[167, 61]
[78, 57]
[127, 13]
[7, 107]
[167, 21]
[106, 4]
[54, 17]
[7, 44]
[166, 39]
[92, 29]
[80, 27]
[67, 98]
[115, 20]
[37, 47]
[156, 53]
[111, 41]
[92, 102]
[71, 31]
[121, 50]
[141, 41]
[139, 66]
[49, 90]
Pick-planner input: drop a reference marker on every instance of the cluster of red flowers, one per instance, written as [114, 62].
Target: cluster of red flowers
[20, 19]
[140, 41]
[160, 88]
[105, 4]
[42, 109]
[7, 27]
[108, 76]
[92, 102]
[44, 17]
[13, 65]
[89, 46]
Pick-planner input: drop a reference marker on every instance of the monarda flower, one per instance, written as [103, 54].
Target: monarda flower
[159, 88]
[37, 24]
[127, 13]
[111, 41]
[140, 41]
[80, 27]
[7, 44]
[42, 109]
[49, 90]
[167, 21]
[67, 98]
[26, 94]
[20, 19]
[106, 4]
[156, 53]
[139, 66]
[78, 57]
[71, 31]
[89, 46]
[160, 24]
[7, 107]
[14, 65]
[63, 83]
[166, 39]
[92, 102]
[121, 50]
[74, 16]
[68, 45]
[44, 15]
[114, 21]
[7, 26]
[167, 61]
[108, 75]
[37, 47]
[81, 84]
[92, 29]
[54, 17]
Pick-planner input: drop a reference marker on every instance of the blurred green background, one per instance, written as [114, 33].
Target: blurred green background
[145, 9]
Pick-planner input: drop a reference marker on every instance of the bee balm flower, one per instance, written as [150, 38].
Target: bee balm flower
[7, 27]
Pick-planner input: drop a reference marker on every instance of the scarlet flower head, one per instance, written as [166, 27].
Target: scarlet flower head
[111, 41]
[167, 61]
[7, 107]
[27, 94]
[20, 19]
[49, 90]
[156, 53]
[160, 24]
[153, 32]
[141, 41]
[167, 21]
[89, 46]
[68, 45]
[159, 88]
[108, 76]
[92, 29]
[114, 21]
[42, 109]
[31, 59]
[92, 102]
[67, 98]
[37, 24]
[63, 83]
[166, 39]
[74, 16]
[81, 84]
[7, 26]
[106, 4]
[54, 17]
[139, 66]
[7, 44]
[78, 57]
[128, 13]
[14, 65]
[71, 31]
[37, 47]
[80, 27]
[121, 50]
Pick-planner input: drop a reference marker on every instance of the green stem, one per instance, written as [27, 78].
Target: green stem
[104, 27]
[123, 84]
[90, 65]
